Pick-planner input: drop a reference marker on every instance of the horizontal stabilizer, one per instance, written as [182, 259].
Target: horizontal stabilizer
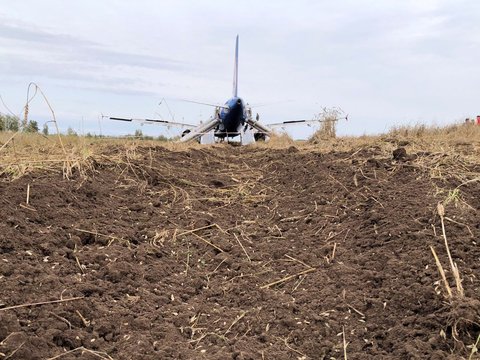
[204, 103]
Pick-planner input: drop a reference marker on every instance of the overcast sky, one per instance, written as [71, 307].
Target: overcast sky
[384, 62]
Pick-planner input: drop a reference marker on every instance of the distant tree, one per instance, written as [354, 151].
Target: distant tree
[45, 129]
[9, 123]
[138, 133]
[13, 123]
[32, 127]
[71, 132]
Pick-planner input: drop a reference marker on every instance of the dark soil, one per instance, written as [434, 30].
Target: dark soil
[238, 253]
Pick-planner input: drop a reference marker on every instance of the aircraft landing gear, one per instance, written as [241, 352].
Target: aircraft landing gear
[188, 131]
[258, 136]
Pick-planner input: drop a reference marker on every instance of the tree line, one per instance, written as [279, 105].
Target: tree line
[13, 123]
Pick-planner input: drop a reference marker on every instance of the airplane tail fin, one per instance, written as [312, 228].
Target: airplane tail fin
[235, 71]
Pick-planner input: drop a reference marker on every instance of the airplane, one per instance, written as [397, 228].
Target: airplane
[230, 120]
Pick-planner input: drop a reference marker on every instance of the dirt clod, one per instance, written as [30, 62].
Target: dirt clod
[399, 154]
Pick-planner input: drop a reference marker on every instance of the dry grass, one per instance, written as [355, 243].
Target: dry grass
[455, 145]
[457, 132]
[278, 141]
[458, 138]
[27, 152]
[328, 125]
[453, 139]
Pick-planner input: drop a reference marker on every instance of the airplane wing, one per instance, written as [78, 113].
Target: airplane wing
[155, 121]
[304, 121]
[200, 130]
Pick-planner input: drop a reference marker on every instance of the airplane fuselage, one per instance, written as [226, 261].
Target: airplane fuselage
[232, 118]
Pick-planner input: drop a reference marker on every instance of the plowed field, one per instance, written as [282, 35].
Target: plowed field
[241, 253]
